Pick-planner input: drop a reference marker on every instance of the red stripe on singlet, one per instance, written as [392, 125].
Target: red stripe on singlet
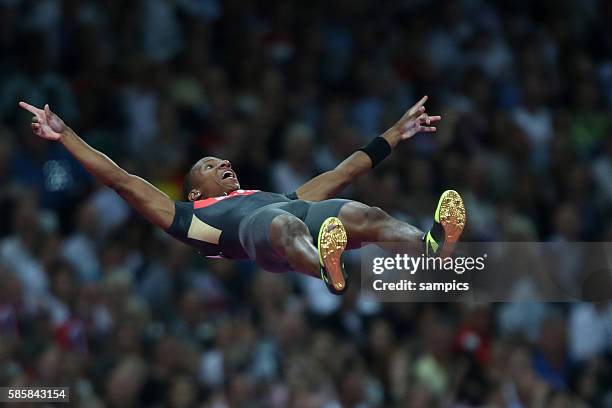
[209, 201]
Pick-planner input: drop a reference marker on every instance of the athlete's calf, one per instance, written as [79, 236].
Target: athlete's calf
[291, 239]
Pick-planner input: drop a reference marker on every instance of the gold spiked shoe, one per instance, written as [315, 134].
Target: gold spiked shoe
[449, 221]
[331, 243]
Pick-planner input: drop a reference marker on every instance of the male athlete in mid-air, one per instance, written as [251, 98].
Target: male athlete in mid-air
[305, 231]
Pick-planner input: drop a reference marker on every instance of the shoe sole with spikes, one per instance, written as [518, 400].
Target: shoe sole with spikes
[331, 243]
[451, 214]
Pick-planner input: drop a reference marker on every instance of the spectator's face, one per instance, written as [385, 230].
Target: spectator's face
[213, 177]
[534, 90]
[125, 382]
[49, 364]
[27, 227]
[192, 308]
[183, 393]
[170, 354]
[88, 220]
[439, 340]
[323, 348]
[561, 401]
[419, 397]
[351, 388]
[553, 339]
[480, 318]
[518, 364]
[269, 292]
[178, 256]
[241, 390]
[567, 222]
[381, 337]
[64, 286]
[128, 340]
[10, 289]
[292, 329]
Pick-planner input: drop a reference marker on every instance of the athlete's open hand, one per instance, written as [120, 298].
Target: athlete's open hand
[45, 123]
[415, 120]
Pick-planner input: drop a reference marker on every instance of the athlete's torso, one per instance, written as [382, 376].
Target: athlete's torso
[212, 225]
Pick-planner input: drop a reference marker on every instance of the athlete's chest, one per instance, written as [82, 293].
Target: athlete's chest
[216, 200]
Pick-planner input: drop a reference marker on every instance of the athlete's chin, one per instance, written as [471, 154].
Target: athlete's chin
[232, 185]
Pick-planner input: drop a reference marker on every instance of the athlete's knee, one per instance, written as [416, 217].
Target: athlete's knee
[292, 226]
[376, 216]
[360, 218]
[373, 218]
[364, 223]
[286, 228]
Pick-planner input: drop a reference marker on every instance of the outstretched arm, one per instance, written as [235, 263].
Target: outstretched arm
[145, 198]
[330, 183]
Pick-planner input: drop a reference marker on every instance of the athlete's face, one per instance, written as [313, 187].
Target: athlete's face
[215, 177]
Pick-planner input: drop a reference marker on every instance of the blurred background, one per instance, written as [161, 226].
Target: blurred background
[93, 297]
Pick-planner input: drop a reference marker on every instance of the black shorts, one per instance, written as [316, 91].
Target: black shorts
[254, 229]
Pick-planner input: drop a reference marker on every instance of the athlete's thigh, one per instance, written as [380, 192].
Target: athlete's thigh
[321, 210]
[255, 236]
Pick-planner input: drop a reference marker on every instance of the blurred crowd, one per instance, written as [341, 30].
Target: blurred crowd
[93, 297]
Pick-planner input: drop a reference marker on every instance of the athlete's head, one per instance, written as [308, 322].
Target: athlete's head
[210, 177]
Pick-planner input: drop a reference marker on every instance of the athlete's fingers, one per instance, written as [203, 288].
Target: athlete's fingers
[36, 129]
[416, 107]
[435, 118]
[417, 112]
[413, 115]
[47, 111]
[428, 129]
[34, 119]
[424, 118]
[30, 108]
